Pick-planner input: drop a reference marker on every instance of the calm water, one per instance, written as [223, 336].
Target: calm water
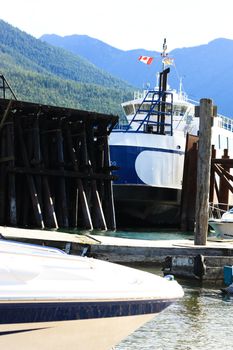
[201, 320]
[146, 235]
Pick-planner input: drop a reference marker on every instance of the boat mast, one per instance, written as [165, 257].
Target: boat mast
[162, 92]
[164, 52]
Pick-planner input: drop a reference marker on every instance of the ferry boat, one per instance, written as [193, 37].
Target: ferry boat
[51, 300]
[149, 154]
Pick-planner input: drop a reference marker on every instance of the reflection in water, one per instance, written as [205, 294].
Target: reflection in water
[201, 320]
[145, 235]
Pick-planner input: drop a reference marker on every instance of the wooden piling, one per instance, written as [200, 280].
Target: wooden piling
[80, 194]
[189, 184]
[12, 218]
[206, 112]
[223, 188]
[30, 180]
[212, 176]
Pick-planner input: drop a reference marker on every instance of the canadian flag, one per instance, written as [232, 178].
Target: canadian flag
[146, 59]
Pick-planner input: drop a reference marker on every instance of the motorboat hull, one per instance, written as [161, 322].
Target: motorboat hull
[51, 300]
[55, 325]
[91, 334]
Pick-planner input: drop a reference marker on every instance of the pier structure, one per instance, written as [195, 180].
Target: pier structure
[207, 183]
[55, 171]
[220, 183]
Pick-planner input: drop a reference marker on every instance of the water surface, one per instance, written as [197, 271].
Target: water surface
[146, 234]
[201, 320]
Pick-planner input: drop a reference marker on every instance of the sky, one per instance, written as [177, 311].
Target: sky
[125, 24]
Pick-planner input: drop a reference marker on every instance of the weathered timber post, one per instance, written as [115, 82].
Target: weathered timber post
[109, 201]
[189, 184]
[30, 180]
[11, 177]
[223, 188]
[62, 193]
[212, 175]
[206, 112]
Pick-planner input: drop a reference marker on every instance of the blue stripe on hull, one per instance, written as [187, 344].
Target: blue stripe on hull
[11, 313]
[124, 157]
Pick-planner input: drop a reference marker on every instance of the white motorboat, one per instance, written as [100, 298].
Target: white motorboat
[51, 300]
[223, 226]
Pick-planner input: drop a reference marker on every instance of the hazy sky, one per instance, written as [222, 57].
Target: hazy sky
[125, 24]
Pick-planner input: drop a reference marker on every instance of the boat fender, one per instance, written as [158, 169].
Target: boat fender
[169, 277]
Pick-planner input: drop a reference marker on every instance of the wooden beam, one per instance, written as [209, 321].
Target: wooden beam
[6, 114]
[189, 184]
[212, 175]
[31, 184]
[80, 192]
[203, 172]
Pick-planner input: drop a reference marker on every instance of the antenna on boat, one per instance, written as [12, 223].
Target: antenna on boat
[181, 86]
[164, 52]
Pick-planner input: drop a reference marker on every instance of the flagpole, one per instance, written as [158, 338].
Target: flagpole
[164, 53]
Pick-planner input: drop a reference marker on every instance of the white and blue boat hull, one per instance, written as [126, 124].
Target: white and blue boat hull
[51, 300]
[147, 191]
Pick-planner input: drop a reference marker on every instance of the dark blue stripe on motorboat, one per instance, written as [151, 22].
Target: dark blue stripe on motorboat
[64, 311]
[20, 331]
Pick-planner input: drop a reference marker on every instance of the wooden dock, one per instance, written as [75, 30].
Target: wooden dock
[181, 258]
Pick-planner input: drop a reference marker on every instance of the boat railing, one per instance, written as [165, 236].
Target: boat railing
[120, 127]
[216, 210]
[139, 94]
[222, 121]
[158, 118]
[225, 123]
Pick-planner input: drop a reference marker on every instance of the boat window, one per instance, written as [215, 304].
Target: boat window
[128, 109]
[146, 106]
[180, 110]
[183, 110]
[219, 141]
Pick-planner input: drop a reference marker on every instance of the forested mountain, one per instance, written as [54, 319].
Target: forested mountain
[206, 70]
[85, 73]
[122, 64]
[42, 73]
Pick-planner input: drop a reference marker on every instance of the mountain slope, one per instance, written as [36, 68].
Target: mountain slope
[206, 70]
[42, 73]
[123, 64]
